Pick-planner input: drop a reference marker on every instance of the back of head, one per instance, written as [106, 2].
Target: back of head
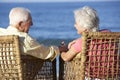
[87, 18]
[18, 14]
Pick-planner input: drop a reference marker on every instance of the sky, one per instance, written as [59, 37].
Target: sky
[52, 0]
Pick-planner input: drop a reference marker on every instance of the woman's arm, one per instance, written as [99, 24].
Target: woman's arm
[71, 43]
[75, 47]
[69, 55]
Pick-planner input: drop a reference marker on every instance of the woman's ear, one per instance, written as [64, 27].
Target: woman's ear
[86, 30]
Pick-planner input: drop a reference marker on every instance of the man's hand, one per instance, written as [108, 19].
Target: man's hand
[63, 47]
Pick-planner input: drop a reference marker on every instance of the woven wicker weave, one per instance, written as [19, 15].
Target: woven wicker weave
[10, 68]
[37, 69]
[99, 58]
[14, 66]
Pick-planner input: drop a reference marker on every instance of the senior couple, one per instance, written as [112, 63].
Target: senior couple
[20, 20]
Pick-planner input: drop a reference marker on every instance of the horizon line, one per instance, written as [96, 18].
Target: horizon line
[57, 1]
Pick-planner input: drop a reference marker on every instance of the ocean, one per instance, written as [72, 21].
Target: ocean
[54, 22]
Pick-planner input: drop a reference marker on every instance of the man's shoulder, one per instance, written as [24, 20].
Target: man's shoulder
[2, 30]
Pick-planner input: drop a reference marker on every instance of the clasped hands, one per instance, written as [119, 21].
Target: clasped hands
[63, 47]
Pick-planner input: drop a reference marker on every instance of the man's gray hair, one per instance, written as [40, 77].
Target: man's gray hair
[87, 17]
[19, 14]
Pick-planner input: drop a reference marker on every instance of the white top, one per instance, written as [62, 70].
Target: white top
[30, 46]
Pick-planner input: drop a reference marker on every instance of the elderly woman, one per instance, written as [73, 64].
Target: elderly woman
[86, 20]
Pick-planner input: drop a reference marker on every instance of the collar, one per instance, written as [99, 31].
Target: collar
[12, 28]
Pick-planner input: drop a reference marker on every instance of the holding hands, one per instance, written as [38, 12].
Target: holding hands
[63, 47]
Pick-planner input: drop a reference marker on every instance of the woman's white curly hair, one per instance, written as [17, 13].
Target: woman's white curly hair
[87, 18]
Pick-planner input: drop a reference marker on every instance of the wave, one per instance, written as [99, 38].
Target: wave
[56, 42]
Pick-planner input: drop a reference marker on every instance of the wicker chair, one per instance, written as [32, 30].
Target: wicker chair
[98, 60]
[14, 66]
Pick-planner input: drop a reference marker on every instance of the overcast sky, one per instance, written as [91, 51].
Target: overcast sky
[51, 0]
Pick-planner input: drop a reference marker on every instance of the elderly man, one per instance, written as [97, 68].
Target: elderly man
[20, 22]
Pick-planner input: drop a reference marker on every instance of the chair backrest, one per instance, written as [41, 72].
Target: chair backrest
[47, 72]
[10, 68]
[99, 58]
[102, 53]
[14, 66]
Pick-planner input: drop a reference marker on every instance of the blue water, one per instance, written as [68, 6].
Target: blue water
[54, 22]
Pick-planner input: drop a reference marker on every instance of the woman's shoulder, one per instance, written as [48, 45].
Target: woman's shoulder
[104, 30]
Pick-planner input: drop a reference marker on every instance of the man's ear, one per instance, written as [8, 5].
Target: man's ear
[20, 23]
[20, 26]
